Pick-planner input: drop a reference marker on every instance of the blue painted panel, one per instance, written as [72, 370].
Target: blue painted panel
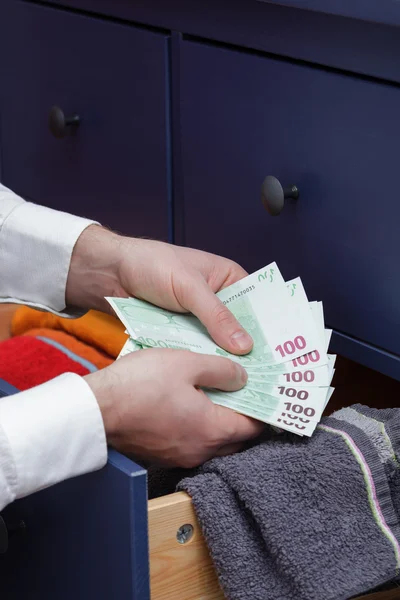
[365, 354]
[359, 46]
[6, 389]
[244, 117]
[114, 168]
[85, 538]
[379, 11]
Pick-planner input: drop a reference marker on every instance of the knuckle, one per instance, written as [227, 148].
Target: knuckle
[231, 370]
[192, 361]
[222, 315]
[181, 357]
[236, 267]
[236, 271]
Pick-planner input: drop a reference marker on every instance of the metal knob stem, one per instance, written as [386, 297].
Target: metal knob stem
[59, 124]
[273, 195]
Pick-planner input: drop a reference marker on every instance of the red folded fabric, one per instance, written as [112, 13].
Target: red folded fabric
[26, 361]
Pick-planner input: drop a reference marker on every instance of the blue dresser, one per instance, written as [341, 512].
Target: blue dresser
[163, 119]
[84, 538]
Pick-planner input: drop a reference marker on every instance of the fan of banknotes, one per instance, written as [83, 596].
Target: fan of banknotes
[289, 368]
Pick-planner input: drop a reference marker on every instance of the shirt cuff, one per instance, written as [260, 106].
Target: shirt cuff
[36, 245]
[53, 432]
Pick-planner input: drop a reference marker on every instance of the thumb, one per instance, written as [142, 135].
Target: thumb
[225, 330]
[217, 372]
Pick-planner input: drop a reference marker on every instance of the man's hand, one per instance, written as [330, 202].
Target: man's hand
[175, 278]
[150, 401]
[152, 407]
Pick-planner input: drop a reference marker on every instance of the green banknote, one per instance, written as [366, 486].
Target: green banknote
[264, 308]
[320, 377]
[289, 370]
[278, 416]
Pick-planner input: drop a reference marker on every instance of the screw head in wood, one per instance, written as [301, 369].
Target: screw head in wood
[184, 533]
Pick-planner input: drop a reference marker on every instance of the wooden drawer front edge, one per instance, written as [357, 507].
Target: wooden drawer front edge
[185, 571]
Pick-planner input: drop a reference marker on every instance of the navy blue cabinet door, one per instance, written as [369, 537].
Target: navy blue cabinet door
[112, 166]
[85, 538]
[335, 137]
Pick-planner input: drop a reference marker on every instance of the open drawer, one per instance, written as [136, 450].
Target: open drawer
[97, 536]
[92, 536]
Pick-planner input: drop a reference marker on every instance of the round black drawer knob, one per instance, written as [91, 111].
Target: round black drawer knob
[273, 195]
[59, 124]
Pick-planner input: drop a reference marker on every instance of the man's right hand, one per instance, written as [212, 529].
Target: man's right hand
[152, 408]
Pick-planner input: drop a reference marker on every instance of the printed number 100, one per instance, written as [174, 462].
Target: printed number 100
[298, 376]
[290, 346]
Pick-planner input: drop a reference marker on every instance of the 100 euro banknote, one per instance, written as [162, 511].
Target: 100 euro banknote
[253, 301]
[301, 376]
[288, 383]
[271, 413]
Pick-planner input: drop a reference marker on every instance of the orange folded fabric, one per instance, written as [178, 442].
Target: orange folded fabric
[104, 332]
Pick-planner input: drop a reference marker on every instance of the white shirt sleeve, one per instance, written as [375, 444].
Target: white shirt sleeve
[48, 434]
[54, 431]
[36, 245]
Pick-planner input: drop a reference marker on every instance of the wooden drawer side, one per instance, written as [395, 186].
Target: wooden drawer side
[185, 571]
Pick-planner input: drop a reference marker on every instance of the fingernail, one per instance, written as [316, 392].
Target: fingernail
[241, 340]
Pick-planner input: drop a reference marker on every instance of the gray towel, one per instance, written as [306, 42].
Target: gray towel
[306, 519]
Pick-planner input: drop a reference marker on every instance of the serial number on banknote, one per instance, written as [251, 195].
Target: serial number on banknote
[241, 293]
